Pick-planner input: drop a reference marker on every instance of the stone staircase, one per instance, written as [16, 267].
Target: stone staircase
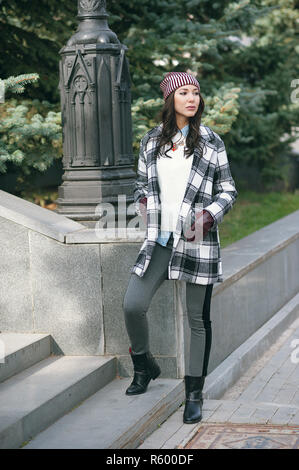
[79, 402]
[49, 401]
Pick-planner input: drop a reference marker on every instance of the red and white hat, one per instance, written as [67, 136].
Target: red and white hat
[174, 80]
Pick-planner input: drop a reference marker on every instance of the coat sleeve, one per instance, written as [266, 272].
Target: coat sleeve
[224, 190]
[141, 182]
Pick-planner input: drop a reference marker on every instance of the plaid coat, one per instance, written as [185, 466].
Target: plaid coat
[210, 186]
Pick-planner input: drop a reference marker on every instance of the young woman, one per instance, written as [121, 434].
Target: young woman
[183, 189]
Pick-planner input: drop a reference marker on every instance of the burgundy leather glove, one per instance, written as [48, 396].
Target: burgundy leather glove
[204, 222]
[142, 206]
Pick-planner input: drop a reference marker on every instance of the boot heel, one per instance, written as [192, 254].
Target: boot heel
[153, 366]
[156, 373]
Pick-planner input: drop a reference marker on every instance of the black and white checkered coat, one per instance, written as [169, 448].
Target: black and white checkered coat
[210, 186]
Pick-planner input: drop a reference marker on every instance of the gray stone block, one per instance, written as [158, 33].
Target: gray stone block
[119, 257]
[224, 412]
[286, 394]
[262, 414]
[15, 286]
[277, 290]
[66, 286]
[284, 415]
[243, 413]
[290, 266]
[105, 236]
[22, 351]
[294, 421]
[161, 437]
[295, 399]
[255, 388]
[184, 430]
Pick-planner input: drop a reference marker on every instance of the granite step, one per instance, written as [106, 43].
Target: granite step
[18, 351]
[37, 397]
[112, 420]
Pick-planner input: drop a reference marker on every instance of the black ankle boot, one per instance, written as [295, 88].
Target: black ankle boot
[194, 399]
[145, 369]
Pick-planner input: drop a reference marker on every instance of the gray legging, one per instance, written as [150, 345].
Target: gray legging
[137, 299]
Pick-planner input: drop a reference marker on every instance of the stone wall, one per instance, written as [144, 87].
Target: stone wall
[58, 277]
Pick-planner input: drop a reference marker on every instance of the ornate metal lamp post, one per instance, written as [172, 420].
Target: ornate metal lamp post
[96, 117]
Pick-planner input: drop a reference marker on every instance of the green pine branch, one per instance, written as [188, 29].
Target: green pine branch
[17, 84]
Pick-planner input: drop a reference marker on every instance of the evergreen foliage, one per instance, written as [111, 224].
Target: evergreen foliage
[246, 86]
[30, 131]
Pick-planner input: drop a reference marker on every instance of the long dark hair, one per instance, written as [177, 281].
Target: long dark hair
[170, 129]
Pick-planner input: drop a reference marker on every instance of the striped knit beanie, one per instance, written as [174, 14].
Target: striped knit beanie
[174, 80]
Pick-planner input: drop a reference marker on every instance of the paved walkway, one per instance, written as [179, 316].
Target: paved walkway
[261, 410]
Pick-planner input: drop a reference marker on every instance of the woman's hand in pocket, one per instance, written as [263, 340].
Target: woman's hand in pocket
[200, 227]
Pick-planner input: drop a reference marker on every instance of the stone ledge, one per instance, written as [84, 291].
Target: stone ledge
[243, 255]
[238, 258]
[36, 218]
[93, 235]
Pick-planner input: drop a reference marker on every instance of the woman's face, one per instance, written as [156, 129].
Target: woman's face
[186, 101]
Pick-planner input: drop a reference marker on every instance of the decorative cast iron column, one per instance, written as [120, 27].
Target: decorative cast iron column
[96, 117]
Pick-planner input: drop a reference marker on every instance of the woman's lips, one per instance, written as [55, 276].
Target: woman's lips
[190, 107]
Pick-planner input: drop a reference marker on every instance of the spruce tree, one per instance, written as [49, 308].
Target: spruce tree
[243, 53]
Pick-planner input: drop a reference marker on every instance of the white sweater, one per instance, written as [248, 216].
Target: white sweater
[173, 174]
